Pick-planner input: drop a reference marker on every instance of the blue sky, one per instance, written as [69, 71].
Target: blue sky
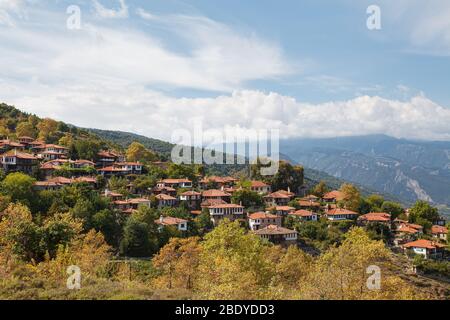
[305, 67]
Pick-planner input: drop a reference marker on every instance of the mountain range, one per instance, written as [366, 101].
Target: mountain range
[409, 170]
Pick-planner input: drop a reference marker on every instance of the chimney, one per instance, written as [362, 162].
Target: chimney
[161, 219]
[106, 192]
[289, 189]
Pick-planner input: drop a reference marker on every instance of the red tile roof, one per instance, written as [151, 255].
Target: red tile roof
[274, 230]
[335, 194]
[215, 193]
[439, 230]
[302, 213]
[341, 211]
[422, 243]
[169, 221]
[262, 215]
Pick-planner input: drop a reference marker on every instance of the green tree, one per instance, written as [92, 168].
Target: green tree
[320, 189]
[351, 197]
[19, 187]
[247, 198]
[26, 129]
[422, 212]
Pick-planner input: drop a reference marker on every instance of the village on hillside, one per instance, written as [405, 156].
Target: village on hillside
[276, 217]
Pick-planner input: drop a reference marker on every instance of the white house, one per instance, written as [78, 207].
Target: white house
[181, 224]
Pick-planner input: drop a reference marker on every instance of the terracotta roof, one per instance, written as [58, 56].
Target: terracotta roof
[226, 205]
[308, 203]
[170, 221]
[218, 179]
[274, 230]
[19, 155]
[439, 229]
[191, 193]
[86, 179]
[340, 211]
[407, 229]
[278, 195]
[376, 216]
[61, 180]
[170, 181]
[128, 164]
[262, 215]
[215, 193]
[422, 243]
[211, 202]
[55, 146]
[335, 194]
[258, 184]
[163, 196]
[302, 213]
[282, 208]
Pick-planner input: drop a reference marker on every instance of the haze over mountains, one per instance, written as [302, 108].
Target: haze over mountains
[409, 170]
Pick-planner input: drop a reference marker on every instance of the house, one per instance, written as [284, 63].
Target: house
[309, 204]
[180, 224]
[304, 215]
[164, 200]
[50, 151]
[26, 141]
[228, 210]
[406, 232]
[340, 214]
[426, 248]
[14, 160]
[260, 187]
[333, 196]
[114, 196]
[164, 190]
[53, 183]
[51, 166]
[282, 210]
[279, 198]
[439, 232]
[260, 220]
[375, 217]
[192, 198]
[130, 205]
[7, 145]
[175, 183]
[107, 158]
[214, 194]
[278, 235]
[121, 169]
[217, 182]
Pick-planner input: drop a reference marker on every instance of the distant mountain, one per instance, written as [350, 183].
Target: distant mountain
[409, 170]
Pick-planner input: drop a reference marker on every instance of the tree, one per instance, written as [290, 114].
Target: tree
[178, 261]
[58, 230]
[137, 152]
[247, 198]
[136, 241]
[19, 187]
[232, 265]
[341, 272]
[288, 176]
[19, 235]
[422, 212]
[393, 208]
[351, 197]
[109, 223]
[320, 189]
[26, 129]
[376, 202]
[47, 129]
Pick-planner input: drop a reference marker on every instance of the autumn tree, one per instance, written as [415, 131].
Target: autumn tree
[138, 152]
[320, 189]
[47, 129]
[19, 187]
[178, 262]
[351, 197]
[26, 129]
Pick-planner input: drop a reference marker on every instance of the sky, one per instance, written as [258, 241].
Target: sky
[309, 68]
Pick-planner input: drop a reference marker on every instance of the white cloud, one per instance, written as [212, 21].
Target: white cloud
[10, 10]
[424, 24]
[104, 12]
[136, 109]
